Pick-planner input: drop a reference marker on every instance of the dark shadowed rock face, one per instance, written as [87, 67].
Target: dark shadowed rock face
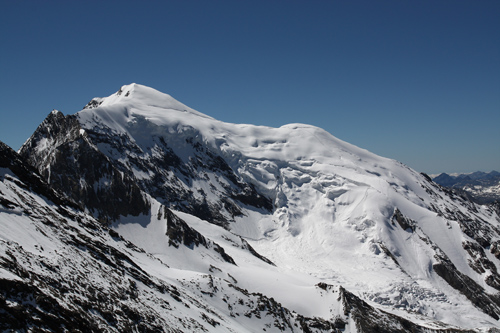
[64, 156]
[179, 233]
[29, 176]
[403, 221]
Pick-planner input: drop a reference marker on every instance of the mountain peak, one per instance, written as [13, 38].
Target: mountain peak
[142, 97]
[124, 92]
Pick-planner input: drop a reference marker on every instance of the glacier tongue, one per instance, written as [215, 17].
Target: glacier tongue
[320, 209]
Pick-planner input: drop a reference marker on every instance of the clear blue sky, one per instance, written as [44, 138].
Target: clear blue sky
[417, 81]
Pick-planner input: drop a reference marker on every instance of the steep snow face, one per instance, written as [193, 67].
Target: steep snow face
[309, 202]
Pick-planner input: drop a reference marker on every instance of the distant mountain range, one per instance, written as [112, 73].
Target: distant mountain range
[482, 187]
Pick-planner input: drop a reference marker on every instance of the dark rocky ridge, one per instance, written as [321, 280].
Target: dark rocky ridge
[29, 176]
[75, 167]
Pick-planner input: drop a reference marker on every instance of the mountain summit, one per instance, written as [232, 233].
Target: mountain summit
[276, 229]
[141, 97]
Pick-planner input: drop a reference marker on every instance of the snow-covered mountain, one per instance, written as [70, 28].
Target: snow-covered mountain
[256, 228]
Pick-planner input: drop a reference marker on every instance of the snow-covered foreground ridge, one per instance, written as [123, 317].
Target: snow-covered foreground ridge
[254, 227]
